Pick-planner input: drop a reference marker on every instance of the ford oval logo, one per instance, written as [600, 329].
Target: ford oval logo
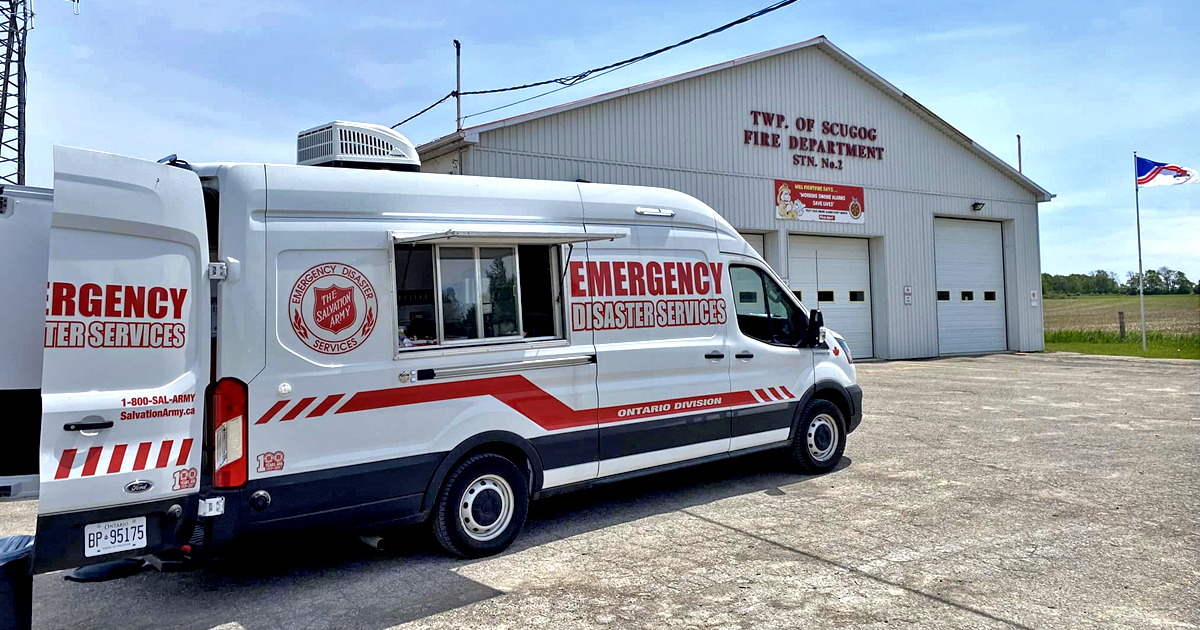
[138, 485]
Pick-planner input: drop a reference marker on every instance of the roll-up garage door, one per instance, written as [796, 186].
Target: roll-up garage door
[969, 262]
[844, 294]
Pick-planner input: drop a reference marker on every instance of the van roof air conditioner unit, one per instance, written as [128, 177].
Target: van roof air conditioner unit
[356, 145]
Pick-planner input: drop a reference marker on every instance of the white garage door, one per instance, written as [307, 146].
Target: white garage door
[845, 292]
[970, 286]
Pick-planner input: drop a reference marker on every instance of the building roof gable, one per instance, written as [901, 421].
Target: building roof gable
[450, 142]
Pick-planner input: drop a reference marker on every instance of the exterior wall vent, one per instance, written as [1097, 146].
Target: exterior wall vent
[356, 145]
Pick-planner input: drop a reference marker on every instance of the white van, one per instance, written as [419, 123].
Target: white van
[233, 348]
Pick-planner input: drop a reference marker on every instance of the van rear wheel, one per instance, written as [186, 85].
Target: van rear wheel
[820, 438]
[481, 507]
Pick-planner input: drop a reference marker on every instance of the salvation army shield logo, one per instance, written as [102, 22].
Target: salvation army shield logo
[333, 308]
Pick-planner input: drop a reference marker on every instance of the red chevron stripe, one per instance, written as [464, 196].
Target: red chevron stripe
[164, 454]
[786, 391]
[118, 456]
[266, 417]
[325, 405]
[64, 464]
[143, 453]
[185, 449]
[93, 459]
[295, 411]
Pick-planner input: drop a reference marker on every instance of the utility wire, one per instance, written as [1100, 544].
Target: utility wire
[574, 79]
[439, 102]
[557, 89]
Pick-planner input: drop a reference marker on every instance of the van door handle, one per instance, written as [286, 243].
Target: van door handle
[744, 355]
[714, 355]
[88, 426]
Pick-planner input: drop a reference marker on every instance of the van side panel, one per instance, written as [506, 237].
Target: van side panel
[344, 426]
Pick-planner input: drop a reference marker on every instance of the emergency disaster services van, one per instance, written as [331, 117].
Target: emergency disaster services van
[235, 348]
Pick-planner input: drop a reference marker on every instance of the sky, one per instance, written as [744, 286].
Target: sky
[1085, 83]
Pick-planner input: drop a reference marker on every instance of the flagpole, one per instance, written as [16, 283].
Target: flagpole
[1141, 274]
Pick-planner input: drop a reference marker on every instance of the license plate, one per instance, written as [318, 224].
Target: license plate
[114, 536]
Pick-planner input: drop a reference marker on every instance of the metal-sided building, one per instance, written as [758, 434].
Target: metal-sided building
[913, 240]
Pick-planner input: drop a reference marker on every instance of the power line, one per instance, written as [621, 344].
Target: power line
[439, 102]
[557, 89]
[575, 79]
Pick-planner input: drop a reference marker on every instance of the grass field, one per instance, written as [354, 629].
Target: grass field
[1089, 324]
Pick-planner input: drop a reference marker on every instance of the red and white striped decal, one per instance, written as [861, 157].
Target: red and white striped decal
[117, 458]
[523, 397]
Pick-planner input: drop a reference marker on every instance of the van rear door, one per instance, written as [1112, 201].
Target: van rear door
[24, 245]
[126, 360]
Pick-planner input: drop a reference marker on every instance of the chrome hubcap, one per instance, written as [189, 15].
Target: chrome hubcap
[486, 507]
[822, 437]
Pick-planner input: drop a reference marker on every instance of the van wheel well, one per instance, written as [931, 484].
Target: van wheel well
[835, 397]
[511, 446]
[508, 451]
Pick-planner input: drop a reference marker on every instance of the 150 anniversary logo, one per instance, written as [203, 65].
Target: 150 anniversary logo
[333, 308]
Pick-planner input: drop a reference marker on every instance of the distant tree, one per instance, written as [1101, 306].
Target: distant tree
[1105, 282]
[1168, 279]
[1182, 284]
[1154, 282]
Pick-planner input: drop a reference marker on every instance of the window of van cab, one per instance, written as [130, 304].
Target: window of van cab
[449, 295]
[763, 309]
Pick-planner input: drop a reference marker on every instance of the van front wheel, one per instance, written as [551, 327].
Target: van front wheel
[481, 507]
[820, 438]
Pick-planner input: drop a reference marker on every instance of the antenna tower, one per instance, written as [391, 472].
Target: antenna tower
[16, 17]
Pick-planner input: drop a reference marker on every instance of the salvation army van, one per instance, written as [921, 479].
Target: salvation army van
[208, 350]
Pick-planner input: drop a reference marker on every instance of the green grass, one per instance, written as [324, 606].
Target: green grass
[1159, 344]
[1089, 323]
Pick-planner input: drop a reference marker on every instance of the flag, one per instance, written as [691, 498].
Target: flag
[1151, 173]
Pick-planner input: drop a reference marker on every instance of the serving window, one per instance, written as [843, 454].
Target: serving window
[463, 294]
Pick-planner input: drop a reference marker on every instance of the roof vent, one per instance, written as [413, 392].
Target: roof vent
[356, 145]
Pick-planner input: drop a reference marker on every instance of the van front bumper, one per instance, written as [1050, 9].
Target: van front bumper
[856, 413]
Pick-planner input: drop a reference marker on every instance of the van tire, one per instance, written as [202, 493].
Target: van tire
[820, 438]
[481, 507]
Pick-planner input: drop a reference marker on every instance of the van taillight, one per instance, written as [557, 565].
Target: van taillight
[229, 433]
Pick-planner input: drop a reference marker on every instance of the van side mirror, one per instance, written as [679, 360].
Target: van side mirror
[815, 335]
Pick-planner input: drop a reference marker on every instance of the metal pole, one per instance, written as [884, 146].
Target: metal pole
[1141, 274]
[1019, 169]
[458, 82]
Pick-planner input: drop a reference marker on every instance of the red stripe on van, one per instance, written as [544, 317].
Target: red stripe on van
[534, 403]
[164, 454]
[93, 459]
[295, 411]
[785, 390]
[266, 417]
[139, 462]
[64, 464]
[325, 405]
[118, 457]
[515, 391]
[778, 394]
[185, 449]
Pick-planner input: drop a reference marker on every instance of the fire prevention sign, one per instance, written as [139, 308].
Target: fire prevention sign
[809, 201]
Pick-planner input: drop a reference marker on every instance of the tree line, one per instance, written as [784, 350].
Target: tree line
[1100, 282]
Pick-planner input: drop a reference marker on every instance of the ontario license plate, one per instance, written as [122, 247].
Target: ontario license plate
[114, 536]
